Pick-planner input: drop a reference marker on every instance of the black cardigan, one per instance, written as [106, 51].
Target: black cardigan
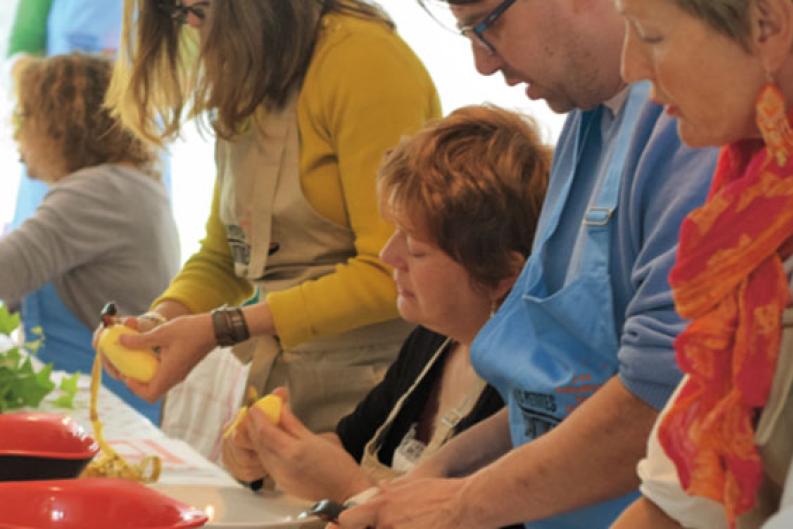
[356, 429]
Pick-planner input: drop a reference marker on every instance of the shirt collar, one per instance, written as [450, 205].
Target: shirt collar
[615, 104]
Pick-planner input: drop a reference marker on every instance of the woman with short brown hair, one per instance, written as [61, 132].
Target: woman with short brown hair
[465, 194]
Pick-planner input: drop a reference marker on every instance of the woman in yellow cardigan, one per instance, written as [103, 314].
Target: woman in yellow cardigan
[305, 97]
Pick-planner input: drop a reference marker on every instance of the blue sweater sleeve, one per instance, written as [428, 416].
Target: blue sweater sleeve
[669, 180]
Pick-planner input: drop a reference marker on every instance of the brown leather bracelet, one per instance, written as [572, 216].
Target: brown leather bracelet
[229, 326]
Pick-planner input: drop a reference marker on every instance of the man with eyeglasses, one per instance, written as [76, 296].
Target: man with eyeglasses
[581, 350]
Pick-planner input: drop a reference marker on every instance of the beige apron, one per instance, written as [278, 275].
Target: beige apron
[278, 241]
[774, 435]
[444, 428]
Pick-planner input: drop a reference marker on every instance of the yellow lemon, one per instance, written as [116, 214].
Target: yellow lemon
[231, 428]
[271, 406]
[137, 364]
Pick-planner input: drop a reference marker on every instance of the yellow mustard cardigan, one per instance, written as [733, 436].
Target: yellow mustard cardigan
[363, 91]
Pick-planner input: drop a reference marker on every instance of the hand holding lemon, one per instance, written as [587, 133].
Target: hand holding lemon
[137, 364]
[270, 404]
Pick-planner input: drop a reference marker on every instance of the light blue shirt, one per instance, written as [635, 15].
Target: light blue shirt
[662, 181]
[91, 26]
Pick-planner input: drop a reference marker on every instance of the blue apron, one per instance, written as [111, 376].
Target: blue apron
[90, 26]
[547, 352]
[67, 343]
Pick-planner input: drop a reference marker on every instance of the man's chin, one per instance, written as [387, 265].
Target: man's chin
[560, 105]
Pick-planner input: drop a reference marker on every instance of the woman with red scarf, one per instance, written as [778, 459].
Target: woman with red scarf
[720, 453]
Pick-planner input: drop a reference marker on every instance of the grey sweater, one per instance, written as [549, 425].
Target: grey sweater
[102, 233]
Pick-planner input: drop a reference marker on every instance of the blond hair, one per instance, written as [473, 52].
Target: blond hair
[474, 182]
[253, 54]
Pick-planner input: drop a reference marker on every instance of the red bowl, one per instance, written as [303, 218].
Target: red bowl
[36, 446]
[92, 504]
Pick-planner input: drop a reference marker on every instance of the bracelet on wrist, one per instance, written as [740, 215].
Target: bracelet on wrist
[229, 326]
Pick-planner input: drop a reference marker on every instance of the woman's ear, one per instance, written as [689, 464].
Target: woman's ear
[505, 285]
[772, 32]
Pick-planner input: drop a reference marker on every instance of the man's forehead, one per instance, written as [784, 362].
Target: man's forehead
[471, 13]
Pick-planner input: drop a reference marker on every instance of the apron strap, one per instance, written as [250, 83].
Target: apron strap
[444, 429]
[597, 218]
[605, 202]
[583, 125]
[250, 167]
[374, 444]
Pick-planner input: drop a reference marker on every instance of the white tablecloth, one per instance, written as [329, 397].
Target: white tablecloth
[134, 436]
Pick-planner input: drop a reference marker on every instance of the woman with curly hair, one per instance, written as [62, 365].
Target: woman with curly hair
[304, 98]
[104, 231]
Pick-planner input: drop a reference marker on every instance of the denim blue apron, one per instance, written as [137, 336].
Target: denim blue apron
[546, 352]
[67, 343]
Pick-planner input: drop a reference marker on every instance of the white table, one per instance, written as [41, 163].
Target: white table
[134, 437]
[186, 474]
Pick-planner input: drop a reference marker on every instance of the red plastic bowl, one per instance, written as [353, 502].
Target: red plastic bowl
[36, 446]
[92, 504]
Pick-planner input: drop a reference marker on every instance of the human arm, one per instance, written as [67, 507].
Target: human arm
[69, 229]
[238, 452]
[207, 280]
[661, 488]
[302, 463]
[469, 451]
[29, 30]
[182, 343]
[354, 431]
[533, 481]
[645, 514]
[669, 181]
[363, 92]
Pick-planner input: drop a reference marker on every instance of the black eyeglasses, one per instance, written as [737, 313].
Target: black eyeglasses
[476, 32]
[178, 11]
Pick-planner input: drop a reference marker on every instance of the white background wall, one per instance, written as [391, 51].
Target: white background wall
[446, 55]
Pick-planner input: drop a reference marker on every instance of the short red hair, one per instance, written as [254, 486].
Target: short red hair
[475, 182]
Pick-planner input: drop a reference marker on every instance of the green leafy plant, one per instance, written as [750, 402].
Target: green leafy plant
[8, 322]
[21, 385]
[68, 389]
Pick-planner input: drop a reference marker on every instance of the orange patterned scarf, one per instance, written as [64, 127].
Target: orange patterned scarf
[729, 281]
